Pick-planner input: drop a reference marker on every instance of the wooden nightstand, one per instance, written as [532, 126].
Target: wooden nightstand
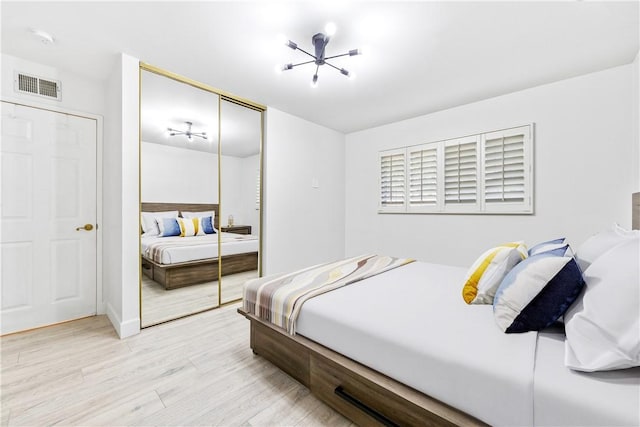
[238, 229]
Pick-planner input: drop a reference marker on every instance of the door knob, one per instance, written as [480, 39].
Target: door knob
[87, 227]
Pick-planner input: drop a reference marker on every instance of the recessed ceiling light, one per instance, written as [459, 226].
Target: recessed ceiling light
[43, 36]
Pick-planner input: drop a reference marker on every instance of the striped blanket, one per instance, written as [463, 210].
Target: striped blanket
[155, 249]
[278, 299]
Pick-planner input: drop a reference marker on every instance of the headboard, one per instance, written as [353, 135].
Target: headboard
[635, 213]
[188, 207]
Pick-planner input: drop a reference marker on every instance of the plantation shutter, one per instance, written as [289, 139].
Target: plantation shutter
[506, 166]
[392, 179]
[461, 171]
[423, 178]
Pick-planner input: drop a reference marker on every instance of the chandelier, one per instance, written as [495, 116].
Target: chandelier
[319, 41]
[189, 133]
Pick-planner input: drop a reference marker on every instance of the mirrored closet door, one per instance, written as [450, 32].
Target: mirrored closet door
[200, 194]
[240, 149]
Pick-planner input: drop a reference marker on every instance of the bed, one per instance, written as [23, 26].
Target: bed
[365, 360]
[176, 262]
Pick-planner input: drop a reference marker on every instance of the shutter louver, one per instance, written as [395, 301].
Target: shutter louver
[504, 179]
[392, 180]
[460, 173]
[423, 182]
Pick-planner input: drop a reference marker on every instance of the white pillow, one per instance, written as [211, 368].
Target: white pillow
[212, 214]
[603, 327]
[149, 224]
[600, 243]
[486, 273]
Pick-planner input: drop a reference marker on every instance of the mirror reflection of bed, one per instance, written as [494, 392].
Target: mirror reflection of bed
[200, 198]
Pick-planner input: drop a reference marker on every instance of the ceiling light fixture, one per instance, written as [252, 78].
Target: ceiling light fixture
[189, 134]
[43, 36]
[320, 42]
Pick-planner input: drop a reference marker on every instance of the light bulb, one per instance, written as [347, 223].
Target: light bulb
[352, 75]
[278, 69]
[330, 29]
[282, 39]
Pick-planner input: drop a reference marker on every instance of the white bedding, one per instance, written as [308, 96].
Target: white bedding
[563, 397]
[455, 352]
[204, 247]
[434, 342]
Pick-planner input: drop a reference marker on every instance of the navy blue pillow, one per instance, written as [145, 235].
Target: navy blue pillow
[536, 292]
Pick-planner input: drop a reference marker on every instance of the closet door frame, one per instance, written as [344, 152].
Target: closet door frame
[222, 95]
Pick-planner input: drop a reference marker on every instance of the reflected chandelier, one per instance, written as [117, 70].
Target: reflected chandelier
[320, 41]
[188, 132]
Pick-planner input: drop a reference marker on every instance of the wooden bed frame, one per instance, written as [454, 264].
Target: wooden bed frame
[173, 276]
[361, 394]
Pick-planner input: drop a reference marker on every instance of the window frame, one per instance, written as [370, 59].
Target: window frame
[481, 206]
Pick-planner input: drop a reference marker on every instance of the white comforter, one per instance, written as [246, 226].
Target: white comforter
[200, 247]
[412, 324]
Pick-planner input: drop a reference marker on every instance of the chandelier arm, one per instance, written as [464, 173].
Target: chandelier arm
[302, 63]
[336, 56]
[333, 66]
[304, 51]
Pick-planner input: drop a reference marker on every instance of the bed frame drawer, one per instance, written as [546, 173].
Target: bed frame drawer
[363, 401]
[361, 394]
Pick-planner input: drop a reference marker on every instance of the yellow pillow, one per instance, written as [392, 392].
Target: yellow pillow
[486, 274]
[188, 226]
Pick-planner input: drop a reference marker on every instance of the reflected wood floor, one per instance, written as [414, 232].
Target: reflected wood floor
[193, 371]
[160, 305]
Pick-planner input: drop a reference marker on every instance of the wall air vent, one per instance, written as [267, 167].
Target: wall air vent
[46, 88]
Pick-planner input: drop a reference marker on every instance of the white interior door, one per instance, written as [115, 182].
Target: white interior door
[48, 192]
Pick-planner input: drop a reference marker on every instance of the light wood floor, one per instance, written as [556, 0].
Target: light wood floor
[193, 371]
[160, 305]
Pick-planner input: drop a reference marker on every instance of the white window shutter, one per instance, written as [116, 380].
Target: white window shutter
[490, 172]
[423, 176]
[392, 180]
[507, 170]
[461, 172]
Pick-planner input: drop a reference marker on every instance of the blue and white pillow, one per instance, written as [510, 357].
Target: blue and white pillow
[205, 225]
[168, 227]
[536, 292]
[546, 246]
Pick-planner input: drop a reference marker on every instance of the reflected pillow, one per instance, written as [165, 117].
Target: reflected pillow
[206, 225]
[168, 227]
[149, 223]
[185, 214]
[603, 327]
[487, 272]
[536, 292]
[188, 226]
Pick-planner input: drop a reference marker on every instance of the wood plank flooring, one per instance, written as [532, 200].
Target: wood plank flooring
[160, 305]
[193, 371]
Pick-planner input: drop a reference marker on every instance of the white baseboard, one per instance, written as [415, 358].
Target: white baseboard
[123, 329]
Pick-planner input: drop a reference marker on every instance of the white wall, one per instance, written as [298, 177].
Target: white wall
[78, 92]
[178, 175]
[121, 183]
[303, 225]
[583, 177]
[635, 167]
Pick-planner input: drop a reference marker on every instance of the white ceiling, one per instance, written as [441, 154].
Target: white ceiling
[422, 56]
[167, 103]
